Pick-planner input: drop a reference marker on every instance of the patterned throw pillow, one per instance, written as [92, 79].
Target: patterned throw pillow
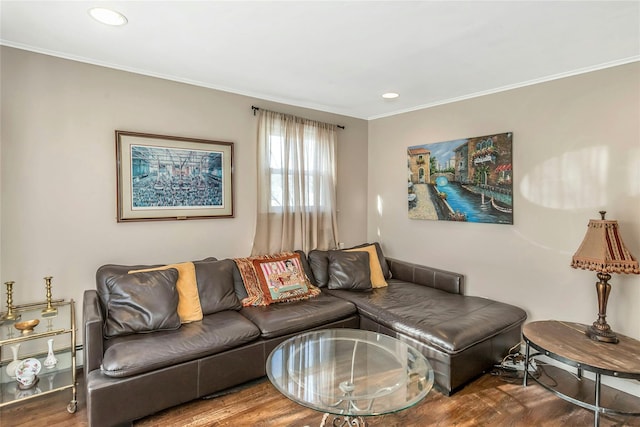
[274, 278]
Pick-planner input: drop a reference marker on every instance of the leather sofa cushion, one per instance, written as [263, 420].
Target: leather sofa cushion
[286, 318]
[319, 263]
[131, 355]
[383, 261]
[450, 322]
[215, 286]
[141, 302]
[349, 270]
[108, 270]
[377, 275]
[189, 308]
[307, 268]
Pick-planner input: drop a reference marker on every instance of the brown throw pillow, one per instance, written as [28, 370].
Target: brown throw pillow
[383, 261]
[189, 308]
[141, 302]
[319, 262]
[215, 286]
[349, 270]
[377, 276]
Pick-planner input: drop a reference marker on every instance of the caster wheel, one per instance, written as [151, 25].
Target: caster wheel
[72, 407]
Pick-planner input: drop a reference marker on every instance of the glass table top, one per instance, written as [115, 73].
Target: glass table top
[350, 372]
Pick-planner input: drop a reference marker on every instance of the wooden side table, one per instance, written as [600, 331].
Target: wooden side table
[566, 342]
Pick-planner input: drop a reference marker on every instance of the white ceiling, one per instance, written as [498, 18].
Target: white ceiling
[338, 56]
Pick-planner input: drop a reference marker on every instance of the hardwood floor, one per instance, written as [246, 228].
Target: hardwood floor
[489, 401]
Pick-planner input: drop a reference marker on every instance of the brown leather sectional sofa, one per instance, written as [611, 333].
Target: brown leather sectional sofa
[132, 376]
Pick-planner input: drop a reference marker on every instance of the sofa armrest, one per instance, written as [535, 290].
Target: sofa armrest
[447, 281]
[92, 321]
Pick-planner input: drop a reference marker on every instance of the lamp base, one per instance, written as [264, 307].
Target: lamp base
[600, 329]
[597, 334]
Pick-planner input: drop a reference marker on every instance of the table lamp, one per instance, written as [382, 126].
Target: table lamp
[603, 251]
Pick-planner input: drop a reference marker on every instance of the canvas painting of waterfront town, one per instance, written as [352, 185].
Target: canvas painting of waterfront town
[467, 180]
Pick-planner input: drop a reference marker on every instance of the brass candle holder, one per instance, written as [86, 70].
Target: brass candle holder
[50, 311]
[10, 314]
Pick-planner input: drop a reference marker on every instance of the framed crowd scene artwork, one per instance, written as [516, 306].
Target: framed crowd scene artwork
[163, 177]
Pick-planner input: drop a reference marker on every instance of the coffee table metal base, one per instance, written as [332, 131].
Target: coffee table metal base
[342, 421]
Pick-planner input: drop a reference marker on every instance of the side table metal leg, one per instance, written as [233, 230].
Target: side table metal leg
[596, 417]
[526, 364]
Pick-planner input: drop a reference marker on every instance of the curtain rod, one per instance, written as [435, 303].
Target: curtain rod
[254, 108]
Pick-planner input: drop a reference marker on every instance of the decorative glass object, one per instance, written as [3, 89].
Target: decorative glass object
[11, 367]
[51, 360]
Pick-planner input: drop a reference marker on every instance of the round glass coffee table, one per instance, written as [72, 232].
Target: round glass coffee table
[349, 373]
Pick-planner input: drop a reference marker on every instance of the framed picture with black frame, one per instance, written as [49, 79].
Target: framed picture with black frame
[162, 177]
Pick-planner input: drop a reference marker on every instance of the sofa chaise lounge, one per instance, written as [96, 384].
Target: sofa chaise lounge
[134, 370]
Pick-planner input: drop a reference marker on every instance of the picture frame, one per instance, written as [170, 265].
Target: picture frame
[465, 180]
[162, 177]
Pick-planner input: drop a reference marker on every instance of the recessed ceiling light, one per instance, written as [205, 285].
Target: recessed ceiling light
[390, 95]
[108, 16]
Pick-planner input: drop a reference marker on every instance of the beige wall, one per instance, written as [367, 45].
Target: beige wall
[58, 171]
[576, 150]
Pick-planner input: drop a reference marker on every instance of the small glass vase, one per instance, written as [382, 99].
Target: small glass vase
[11, 367]
[51, 361]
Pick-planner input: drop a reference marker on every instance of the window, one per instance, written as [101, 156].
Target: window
[296, 184]
[280, 175]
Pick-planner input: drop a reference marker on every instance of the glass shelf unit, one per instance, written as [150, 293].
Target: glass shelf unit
[61, 327]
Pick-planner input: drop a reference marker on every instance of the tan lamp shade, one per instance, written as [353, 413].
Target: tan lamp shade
[602, 250]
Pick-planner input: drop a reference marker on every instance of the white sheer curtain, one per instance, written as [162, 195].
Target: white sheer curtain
[296, 184]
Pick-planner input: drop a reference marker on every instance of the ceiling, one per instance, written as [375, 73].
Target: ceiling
[338, 56]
